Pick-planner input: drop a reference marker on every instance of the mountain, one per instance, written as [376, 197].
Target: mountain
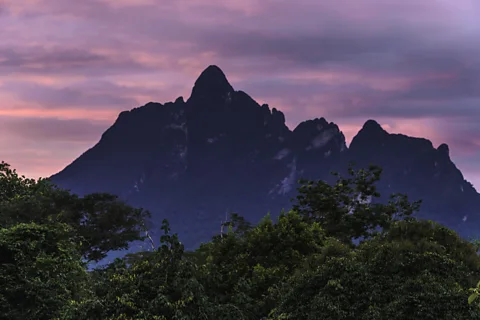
[220, 151]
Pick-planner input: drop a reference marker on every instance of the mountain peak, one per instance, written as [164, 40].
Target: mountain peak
[370, 133]
[444, 149]
[212, 71]
[211, 83]
[372, 125]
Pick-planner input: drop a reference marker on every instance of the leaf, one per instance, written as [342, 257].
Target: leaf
[472, 298]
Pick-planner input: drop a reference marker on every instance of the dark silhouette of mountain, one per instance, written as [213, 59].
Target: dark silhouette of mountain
[220, 151]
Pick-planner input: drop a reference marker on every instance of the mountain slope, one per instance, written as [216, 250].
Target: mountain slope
[413, 166]
[219, 151]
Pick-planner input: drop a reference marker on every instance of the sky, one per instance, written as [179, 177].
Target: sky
[69, 67]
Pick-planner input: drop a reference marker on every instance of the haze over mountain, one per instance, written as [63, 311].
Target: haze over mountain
[219, 151]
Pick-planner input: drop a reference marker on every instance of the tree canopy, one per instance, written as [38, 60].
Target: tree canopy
[340, 253]
[100, 222]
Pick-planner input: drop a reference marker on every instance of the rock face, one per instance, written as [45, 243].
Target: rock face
[220, 151]
[413, 166]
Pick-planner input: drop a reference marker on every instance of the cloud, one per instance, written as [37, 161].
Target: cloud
[76, 96]
[74, 61]
[38, 147]
[53, 130]
[38, 56]
[307, 50]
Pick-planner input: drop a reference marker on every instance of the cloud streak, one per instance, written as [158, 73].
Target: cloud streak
[53, 130]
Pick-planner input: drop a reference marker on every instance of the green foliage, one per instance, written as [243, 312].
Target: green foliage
[416, 270]
[345, 210]
[40, 271]
[304, 265]
[242, 269]
[159, 285]
[100, 222]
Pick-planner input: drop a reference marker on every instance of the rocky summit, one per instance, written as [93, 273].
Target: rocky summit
[194, 161]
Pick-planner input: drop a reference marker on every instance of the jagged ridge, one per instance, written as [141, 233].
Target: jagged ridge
[220, 150]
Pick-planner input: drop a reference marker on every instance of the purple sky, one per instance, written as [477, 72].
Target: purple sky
[68, 67]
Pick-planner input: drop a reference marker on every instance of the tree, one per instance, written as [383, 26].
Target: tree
[347, 210]
[415, 270]
[243, 266]
[159, 285]
[100, 222]
[304, 265]
[40, 271]
[475, 291]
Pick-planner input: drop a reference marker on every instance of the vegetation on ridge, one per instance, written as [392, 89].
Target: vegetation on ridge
[335, 255]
